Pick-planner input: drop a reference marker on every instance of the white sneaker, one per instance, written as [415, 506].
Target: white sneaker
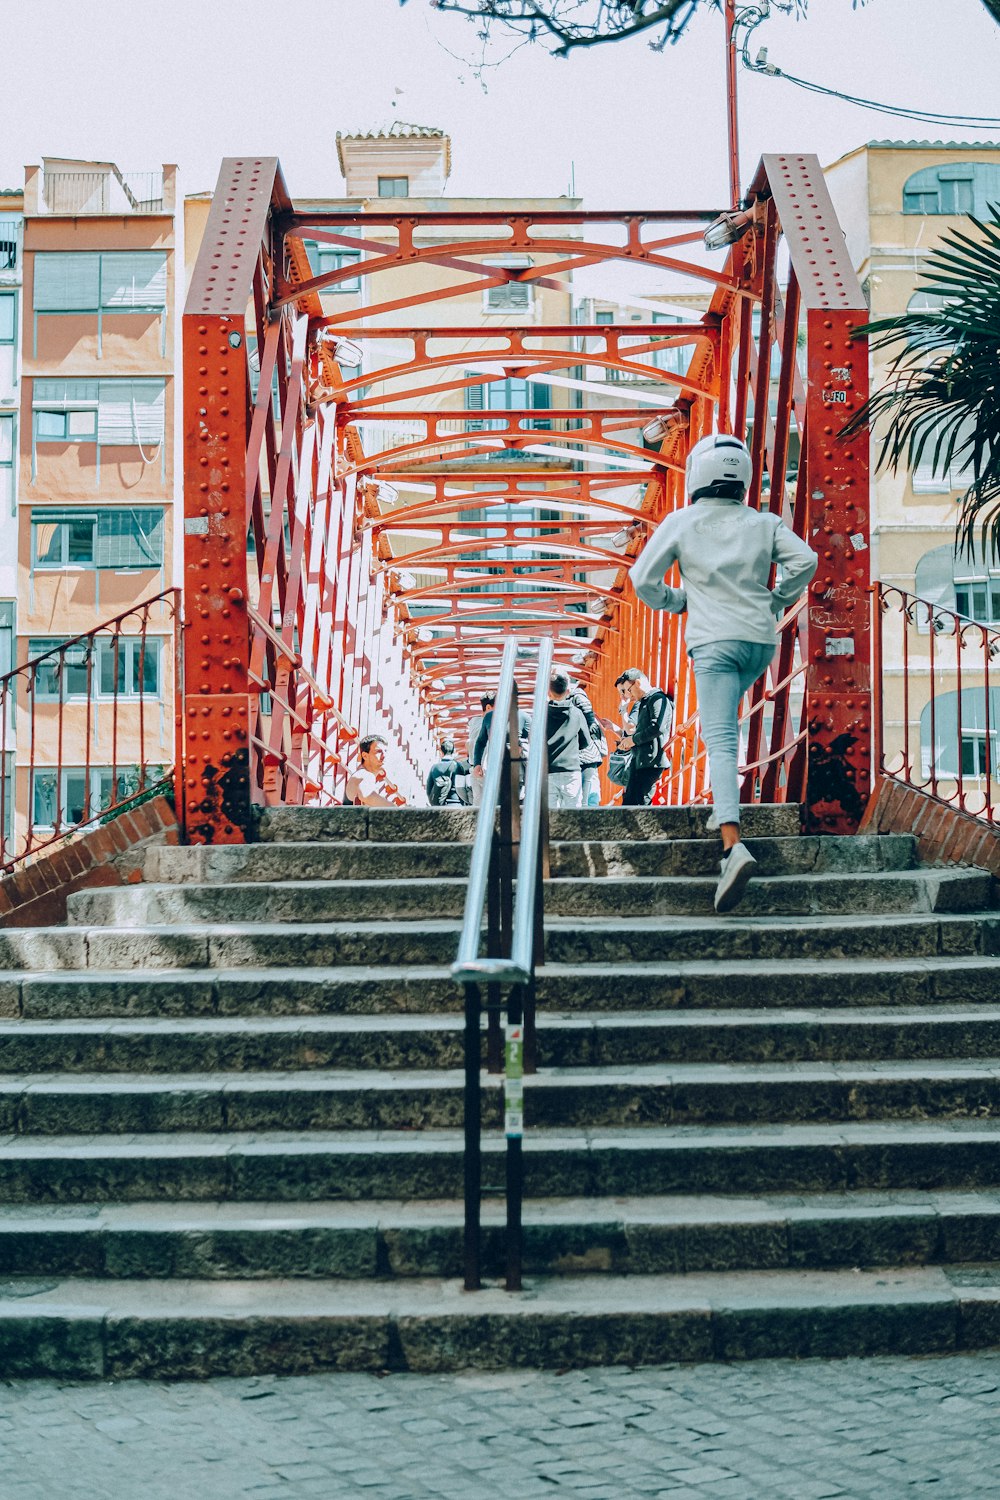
[737, 868]
[713, 821]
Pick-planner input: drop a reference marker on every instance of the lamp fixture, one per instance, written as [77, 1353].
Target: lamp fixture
[344, 351]
[656, 430]
[728, 228]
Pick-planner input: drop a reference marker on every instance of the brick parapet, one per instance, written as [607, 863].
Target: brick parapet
[944, 835]
[110, 854]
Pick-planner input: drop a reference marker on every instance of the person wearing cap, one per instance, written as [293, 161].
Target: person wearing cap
[725, 552]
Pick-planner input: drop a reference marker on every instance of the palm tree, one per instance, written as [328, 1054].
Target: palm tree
[941, 396]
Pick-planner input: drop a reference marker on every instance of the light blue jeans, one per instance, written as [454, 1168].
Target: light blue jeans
[723, 670]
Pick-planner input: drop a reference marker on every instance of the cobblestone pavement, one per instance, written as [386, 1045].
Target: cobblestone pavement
[764, 1431]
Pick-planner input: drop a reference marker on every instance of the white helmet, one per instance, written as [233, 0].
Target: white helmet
[716, 465]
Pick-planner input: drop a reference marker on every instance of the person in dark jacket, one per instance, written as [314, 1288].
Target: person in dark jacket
[568, 736]
[446, 778]
[648, 740]
[483, 737]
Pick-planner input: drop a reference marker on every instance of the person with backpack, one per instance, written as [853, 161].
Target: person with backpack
[654, 720]
[592, 756]
[446, 778]
[725, 552]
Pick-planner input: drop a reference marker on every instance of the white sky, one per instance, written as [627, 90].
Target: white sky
[190, 81]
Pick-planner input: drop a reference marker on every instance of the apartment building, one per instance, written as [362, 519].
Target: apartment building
[895, 200]
[93, 482]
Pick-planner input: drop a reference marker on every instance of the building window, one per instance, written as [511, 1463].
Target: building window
[959, 188]
[112, 281]
[326, 258]
[965, 733]
[604, 317]
[8, 345]
[8, 447]
[930, 477]
[394, 187]
[63, 799]
[80, 281]
[112, 667]
[510, 296]
[112, 413]
[968, 584]
[978, 599]
[979, 754]
[506, 395]
[116, 537]
[11, 232]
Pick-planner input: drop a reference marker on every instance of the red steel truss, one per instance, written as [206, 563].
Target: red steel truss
[368, 516]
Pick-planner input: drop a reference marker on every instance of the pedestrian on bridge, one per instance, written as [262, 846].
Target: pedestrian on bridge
[726, 553]
[569, 738]
[364, 786]
[646, 736]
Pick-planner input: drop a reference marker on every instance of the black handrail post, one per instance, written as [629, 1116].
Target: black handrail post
[494, 949]
[505, 835]
[514, 1132]
[473, 1139]
[542, 873]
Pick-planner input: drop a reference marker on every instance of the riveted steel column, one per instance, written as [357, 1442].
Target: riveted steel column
[835, 519]
[838, 630]
[214, 713]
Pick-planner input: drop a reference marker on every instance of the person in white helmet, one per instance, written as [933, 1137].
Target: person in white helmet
[725, 552]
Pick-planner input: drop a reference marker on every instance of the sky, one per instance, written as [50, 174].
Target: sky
[141, 82]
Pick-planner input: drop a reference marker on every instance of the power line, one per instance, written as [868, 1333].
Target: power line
[931, 117]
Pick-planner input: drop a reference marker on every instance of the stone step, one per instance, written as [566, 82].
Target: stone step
[675, 1094]
[309, 901]
[222, 1043]
[423, 942]
[285, 1166]
[598, 859]
[622, 1236]
[190, 1329]
[358, 860]
[753, 984]
[406, 824]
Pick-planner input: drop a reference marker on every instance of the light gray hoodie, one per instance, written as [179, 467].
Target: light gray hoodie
[725, 552]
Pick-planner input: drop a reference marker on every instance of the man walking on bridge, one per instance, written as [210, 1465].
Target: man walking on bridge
[725, 553]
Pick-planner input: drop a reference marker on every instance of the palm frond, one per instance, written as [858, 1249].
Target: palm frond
[940, 400]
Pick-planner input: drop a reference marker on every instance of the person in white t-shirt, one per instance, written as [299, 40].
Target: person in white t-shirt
[364, 784]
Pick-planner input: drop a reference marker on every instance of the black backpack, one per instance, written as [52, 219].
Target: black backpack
[443, 791]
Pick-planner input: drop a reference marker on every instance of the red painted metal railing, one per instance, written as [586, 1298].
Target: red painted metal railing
[391, 497]
[937, 720]
[87, 727]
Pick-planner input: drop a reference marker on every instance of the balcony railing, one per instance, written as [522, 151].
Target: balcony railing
[104, 190]
[937, 723]
[11, 242]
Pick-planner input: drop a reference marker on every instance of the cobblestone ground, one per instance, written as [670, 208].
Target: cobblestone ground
[855, 1428]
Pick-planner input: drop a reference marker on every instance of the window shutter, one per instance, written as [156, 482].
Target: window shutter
[134, 279]
[66, 281]
[513, 296]
[128, 538]
[473, 402]
[131, 412]
[65, 395]
[935, 582]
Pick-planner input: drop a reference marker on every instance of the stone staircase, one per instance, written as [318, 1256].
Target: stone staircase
[231, 1107]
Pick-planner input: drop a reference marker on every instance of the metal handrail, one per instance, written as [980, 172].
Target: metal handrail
[508, 842]
[468, 966]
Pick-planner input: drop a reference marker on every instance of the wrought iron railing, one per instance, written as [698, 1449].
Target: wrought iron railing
[87, 727]
[511, 848]
[937, 711]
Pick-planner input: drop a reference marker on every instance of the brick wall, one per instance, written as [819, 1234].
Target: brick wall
[110, 854]
[944, 835]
